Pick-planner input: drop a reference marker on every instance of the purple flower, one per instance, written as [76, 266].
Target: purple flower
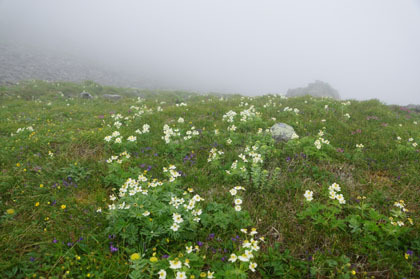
[113, 249]
[69, 244]
[32, 259]
[165, 256]
[54, 240]
[200, 243]
[409, 252]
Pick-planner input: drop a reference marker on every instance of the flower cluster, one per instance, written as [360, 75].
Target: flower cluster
[237, 200]
[169, 132]
[191, 133]
[145, 129]
[248, 114]
[229, 116]
[115, 135]
[214, 154]
[308, 195]
[318, 143]
[399, 214]
[118, 158]
[295, 110]
[334, 195]
[247, 250]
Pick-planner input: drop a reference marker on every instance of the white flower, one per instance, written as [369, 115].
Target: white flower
[146, 213]
[233, 258]
[308, 195]
[175, 264]
[180, 275]
[210, 274]
[334, 187]
[252, 266]
[189, 249]
[162, 274]
[341, 199]
[180, 120]
[238, 201]
[238, 207]
[233, 192]
[175, 227]
[243, 258]
[118, 140]
[177, 218]
[229, 141]
[132, 138]
[108, 138]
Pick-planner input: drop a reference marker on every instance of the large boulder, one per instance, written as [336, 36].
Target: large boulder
[315, 89]
[283, 132]
[85, 95]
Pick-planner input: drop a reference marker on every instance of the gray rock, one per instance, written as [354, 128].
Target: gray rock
[315, 89]
[413, 107]
[283, 132]
[85, 95]
[112, 97]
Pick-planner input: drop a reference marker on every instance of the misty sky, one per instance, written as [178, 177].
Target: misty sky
[363, 48]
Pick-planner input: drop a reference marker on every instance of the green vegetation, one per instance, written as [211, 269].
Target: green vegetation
[181, 185]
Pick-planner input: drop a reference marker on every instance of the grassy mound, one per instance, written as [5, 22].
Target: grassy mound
[181, 185]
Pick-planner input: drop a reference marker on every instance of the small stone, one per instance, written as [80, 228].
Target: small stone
[85, 95]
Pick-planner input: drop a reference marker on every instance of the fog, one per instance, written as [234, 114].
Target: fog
[363, 48]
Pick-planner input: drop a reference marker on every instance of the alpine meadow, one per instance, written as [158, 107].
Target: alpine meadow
[173, 184]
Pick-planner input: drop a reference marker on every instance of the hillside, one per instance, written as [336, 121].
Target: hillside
[19, 62]
[181, 185]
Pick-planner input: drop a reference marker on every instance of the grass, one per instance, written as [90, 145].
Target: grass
[54, 178]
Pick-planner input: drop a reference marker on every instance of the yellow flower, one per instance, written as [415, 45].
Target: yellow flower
[192, 277]
[153, 259]
[41, 185]
[37, 204]
[202, 274]
[17, 165]
[10, 211]
[63, 206]
[406, 256]
[353, 272]
[135, 256]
